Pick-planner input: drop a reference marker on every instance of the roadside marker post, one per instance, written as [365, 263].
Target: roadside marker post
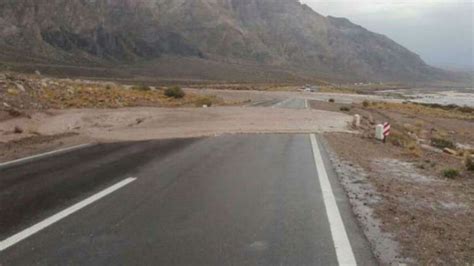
[386, 131]
[382, 131]
[379, 132]
[356, 121]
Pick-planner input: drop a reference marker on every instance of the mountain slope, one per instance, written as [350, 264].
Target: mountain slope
[270, 33]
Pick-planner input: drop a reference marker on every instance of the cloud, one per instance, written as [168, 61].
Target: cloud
[400, 8]
[441, 31]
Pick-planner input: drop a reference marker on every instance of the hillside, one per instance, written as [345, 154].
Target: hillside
[273, 36]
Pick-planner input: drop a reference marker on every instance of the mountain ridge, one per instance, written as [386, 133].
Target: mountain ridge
[270, 33]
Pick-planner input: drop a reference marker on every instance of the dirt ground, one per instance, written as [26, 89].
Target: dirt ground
[410, 212]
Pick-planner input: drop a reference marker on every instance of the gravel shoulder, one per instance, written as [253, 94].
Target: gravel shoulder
[410, 211]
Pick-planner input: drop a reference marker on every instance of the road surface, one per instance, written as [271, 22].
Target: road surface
[227, 200]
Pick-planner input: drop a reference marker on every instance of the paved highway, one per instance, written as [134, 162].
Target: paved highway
[227, 200]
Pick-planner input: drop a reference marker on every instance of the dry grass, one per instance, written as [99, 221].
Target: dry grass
[115, 97]
[411, 108]
[338, 90]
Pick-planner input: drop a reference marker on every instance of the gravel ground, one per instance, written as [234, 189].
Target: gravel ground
[427, 216]
[410, 212]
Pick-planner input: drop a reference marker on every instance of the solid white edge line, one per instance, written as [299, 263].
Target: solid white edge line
[345, 255]
[61, 215]
[44, 155]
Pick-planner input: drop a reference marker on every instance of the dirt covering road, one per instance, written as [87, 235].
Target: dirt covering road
[38, 114]
[158, 123]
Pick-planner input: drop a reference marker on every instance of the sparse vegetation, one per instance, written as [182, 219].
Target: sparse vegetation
[469, 162]
[366, 103]
[414, 149]
[450, 173]
[205, 100]
[434, 110]
[338, 90]
[449, 107]
[175, 92]
[332, 100]
[442, 143]
[140, 88]
[345, 109]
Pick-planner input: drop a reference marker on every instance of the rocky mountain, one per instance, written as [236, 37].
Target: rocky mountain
[272, 34]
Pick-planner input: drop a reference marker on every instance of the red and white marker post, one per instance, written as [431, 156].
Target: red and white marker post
[386, 130]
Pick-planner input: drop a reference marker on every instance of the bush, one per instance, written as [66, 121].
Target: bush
[466, 109]
[469, 164]
[450, 173]
[442, 143]
[345, 109]
[365, 103]
[332, 100]
[204, 101]
[174, 92]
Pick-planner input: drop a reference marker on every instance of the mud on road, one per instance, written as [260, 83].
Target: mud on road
[128, 124]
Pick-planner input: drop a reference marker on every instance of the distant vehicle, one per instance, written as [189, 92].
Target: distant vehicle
[308, 88]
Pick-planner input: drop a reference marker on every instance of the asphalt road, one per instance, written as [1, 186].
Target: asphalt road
[291, 103]
[227, 200]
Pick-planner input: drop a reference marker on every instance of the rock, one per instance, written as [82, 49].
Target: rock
[37, 73]
[449, 151]
[17, 130]
[20, 87]
[12, 92]
[14, 113]
[6, 105]
[430, 148]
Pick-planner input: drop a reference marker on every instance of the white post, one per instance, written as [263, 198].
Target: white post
[379, 132]
[356, 121]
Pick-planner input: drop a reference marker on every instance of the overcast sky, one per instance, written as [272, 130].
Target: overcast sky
[440, 31]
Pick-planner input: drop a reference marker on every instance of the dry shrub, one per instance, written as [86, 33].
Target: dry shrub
[441, 143]
[205, 100]
[175, 92]
[469, 163]
[450, 173]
